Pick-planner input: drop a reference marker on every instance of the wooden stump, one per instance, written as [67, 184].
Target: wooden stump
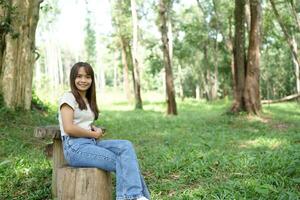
[74, 183]
[83, 183]
[58, 160]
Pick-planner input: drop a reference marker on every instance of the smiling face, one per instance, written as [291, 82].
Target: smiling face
[83, 80]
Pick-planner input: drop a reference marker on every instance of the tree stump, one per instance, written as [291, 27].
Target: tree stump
[83, 183]
[93, 180]
[58, 160]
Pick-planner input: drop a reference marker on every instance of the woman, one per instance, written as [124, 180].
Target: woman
[83, 146]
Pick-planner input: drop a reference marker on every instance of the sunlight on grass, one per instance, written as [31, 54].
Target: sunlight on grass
[113, 96]
[271, 143]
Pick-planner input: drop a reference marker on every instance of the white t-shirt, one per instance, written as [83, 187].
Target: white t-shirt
[82, 118]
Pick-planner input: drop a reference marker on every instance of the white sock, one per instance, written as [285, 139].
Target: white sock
[142, 198]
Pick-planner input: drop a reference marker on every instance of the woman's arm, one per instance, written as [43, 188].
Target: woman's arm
[67, 114]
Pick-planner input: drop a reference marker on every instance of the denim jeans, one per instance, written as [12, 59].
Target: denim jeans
[111, 155]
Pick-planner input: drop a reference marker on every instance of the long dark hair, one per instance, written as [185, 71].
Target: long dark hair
[91, 92]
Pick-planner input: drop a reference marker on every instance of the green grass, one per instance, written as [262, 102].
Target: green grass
[200, 154]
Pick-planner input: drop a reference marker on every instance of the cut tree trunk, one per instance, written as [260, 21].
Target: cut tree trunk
[84, 184]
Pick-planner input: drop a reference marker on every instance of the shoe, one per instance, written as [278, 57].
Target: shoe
[142, 198]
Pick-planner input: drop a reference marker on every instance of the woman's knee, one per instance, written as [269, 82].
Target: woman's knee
[126, 144]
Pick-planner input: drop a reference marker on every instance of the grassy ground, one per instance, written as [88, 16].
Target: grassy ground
[201, 154]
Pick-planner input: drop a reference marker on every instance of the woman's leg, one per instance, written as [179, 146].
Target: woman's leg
[130, 183]
[145, 191]
[83, 152]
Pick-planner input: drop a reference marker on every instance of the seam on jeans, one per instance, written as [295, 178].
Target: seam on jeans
[129, 197]
[92, 155]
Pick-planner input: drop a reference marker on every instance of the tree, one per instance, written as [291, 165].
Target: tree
[90, 41]
[213, 29]
[239, 56]
[49, 68]
[290, 38]
[247, 94]
[137, 85]
[121, 21]
[164, 6]
[18, 25]
[252, 93]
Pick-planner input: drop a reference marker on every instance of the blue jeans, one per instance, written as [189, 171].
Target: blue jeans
[111, 155]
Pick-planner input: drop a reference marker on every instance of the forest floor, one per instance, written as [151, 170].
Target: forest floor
[203, 153]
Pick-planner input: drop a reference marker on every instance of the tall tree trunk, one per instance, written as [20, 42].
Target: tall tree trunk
[115, 64]
[252, 93]
[291, 42]
[296, 63]
[5, 20]
[239, 56]
[181, 93]
[170, 89]
[215, 85]
[228, 40]
[248, 15]
[137, 88]
[125, 69]
[230, 48]
[18, 59]
[207, 74]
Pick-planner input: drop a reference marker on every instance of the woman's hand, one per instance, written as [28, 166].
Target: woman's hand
[99, 132]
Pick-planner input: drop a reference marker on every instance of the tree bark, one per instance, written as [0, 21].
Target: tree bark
[239, 56]
[136, 67]
[251, 93]
[248, 15]
[17, 54]
[170, 89]
[5, 16]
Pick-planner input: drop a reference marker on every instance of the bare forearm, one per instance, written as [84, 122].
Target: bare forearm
[77, 131]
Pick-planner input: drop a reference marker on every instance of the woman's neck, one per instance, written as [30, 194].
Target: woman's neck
[82, 94]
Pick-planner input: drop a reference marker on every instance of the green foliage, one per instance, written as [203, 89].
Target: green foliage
[38, 104]
[277, 70]
[90, 42]
[200, 154]
[121, 19]
[25, 173]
